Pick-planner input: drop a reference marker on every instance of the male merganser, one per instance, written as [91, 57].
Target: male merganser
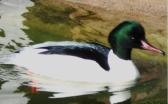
[89, 62]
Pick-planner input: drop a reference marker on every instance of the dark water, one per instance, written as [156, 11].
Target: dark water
[19, 86]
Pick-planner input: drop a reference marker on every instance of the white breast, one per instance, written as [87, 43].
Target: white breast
[122, 70]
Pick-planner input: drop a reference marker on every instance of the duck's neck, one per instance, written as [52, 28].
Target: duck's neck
[123, 53]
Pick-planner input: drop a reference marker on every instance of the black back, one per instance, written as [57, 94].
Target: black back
[92, 51]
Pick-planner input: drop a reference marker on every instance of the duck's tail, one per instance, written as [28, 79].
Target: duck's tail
[6, 58]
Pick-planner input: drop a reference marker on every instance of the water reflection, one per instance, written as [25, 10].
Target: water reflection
[63, 89]
[99, 98]
[10, 80]
[11, 23]
[11, 37]
[21, 86]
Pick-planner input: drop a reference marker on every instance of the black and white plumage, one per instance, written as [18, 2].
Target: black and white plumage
[90, 51]
[66, 58]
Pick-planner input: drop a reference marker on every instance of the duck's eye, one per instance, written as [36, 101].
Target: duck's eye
[132, 38]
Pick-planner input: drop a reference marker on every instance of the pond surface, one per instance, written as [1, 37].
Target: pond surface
[19, 85]
[11, 22]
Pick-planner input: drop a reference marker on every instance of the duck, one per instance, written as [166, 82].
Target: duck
[89, 62]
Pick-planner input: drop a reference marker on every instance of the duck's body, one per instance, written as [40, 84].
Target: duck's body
[76, 62]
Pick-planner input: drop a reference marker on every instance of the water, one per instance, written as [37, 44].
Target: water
[11, 23]
[20, 86]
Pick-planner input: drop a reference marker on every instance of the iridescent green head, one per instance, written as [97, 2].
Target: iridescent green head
[128, 35]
